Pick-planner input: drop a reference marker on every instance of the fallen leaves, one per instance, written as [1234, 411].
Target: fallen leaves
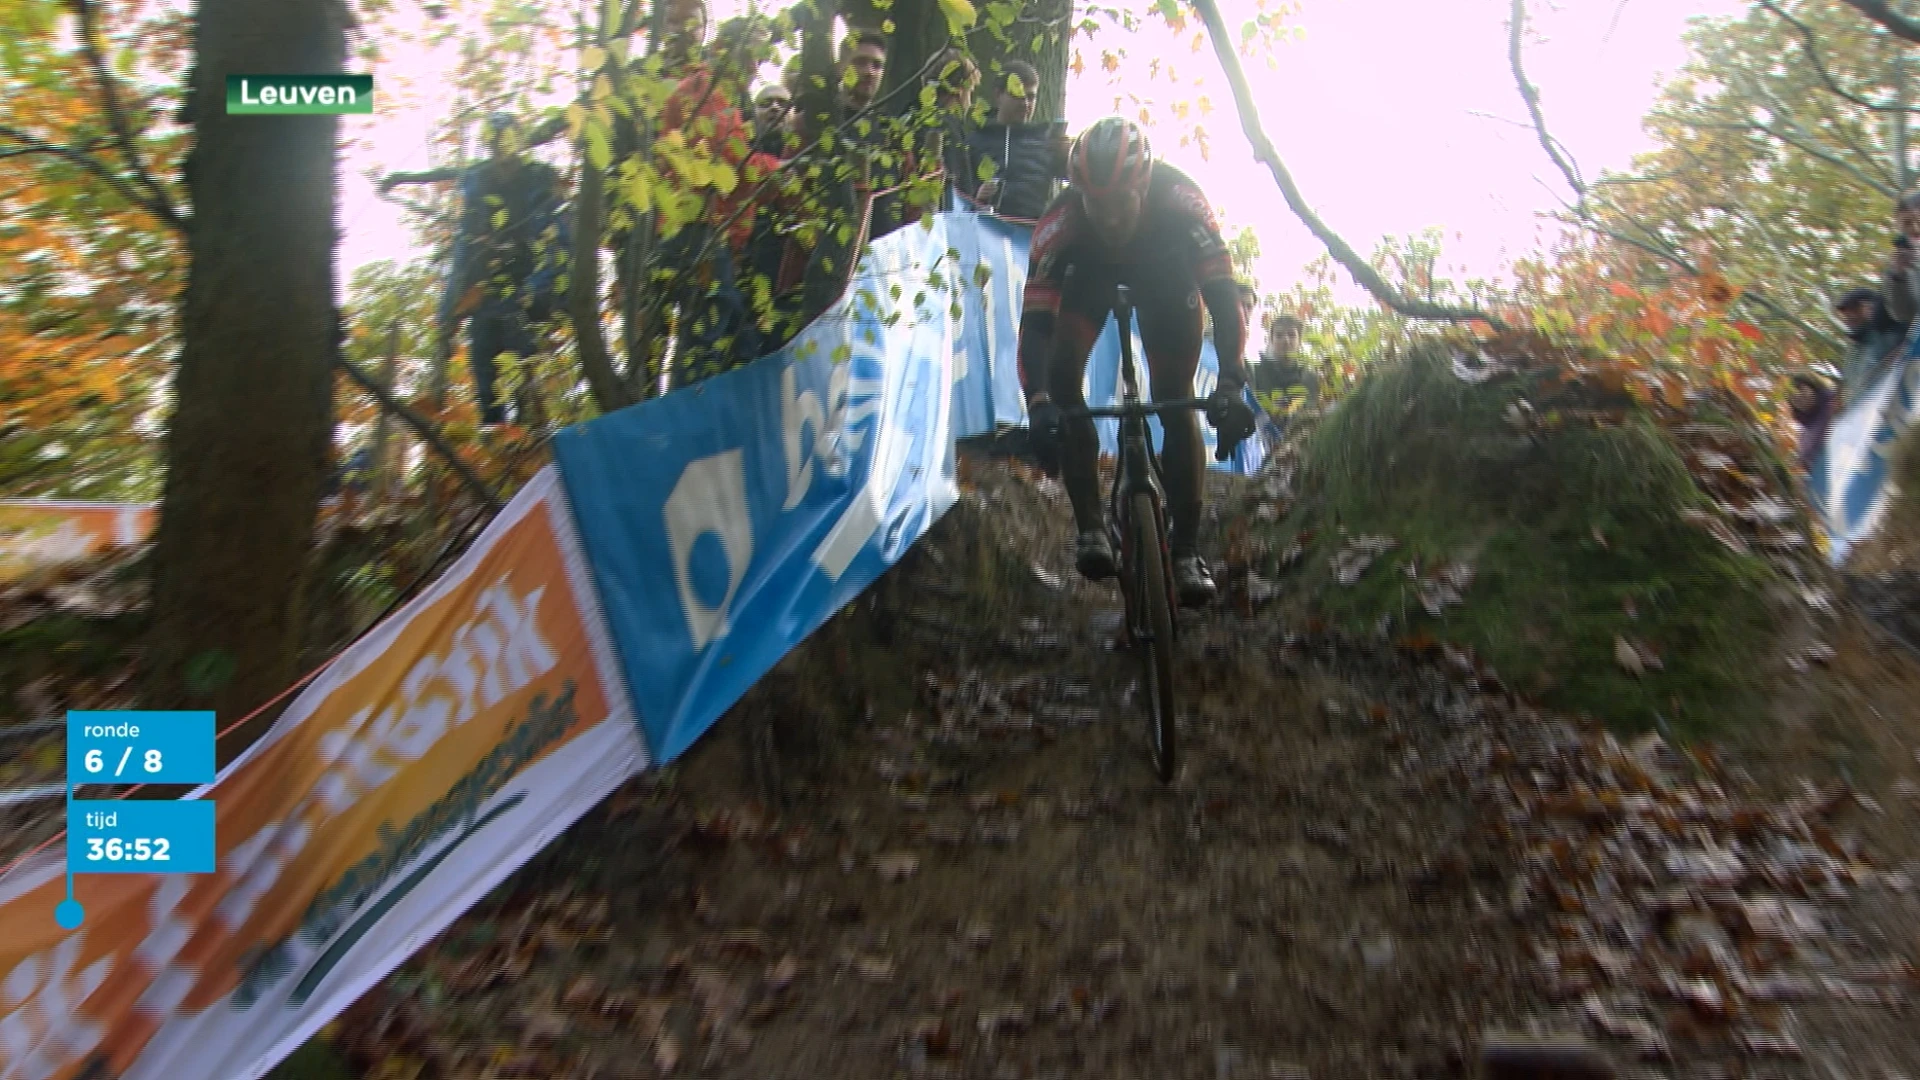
[1005, 1020]
[1660, 894]
[1445, 588]
[1359, 552]
[896, 866]
[872, 968]
[1636, 657]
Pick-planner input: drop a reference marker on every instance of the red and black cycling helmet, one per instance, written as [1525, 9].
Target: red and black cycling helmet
[1110, 157]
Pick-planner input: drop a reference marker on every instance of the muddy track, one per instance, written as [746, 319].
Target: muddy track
[930, 844]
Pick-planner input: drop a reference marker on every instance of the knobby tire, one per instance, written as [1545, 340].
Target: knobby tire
[1149, 571]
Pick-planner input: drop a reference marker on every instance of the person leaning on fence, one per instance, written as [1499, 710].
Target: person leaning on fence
[953, 77]
[1899, 286]
[1027, 159]
[1872, 338]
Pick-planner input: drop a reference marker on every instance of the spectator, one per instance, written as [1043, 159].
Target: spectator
[507, 256]
[1872, 336]
[770, 109]
[706, 108]
[1281, 374]
[706, 255]
[1027, 159]
[1249, 302]
[1812, 403]
[870, 133]
[685, 27]
[954, 77]
[863, 63]
[1899, 284]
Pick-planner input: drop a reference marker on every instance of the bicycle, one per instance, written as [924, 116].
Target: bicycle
[1137, 527]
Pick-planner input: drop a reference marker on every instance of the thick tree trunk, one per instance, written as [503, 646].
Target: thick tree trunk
[1040, 37]
[920, 30]
[247, 443]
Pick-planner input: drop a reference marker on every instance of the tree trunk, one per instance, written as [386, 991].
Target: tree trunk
[1902, 162]
[1040, 37]
[583, 287]
[381, 477]
[919, 31]
[247, 444]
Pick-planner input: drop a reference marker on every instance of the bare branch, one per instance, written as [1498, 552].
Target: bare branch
[1809, 149]
[1582, 212]
[45, 148]
[157, 199]
[1517, 26]
[1810, 44]
[29, 144]
[1263, 148]
[1882, 12]
[427, 432]
[1803, 136]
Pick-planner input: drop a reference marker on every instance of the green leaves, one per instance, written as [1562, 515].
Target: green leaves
[960, 15]
[599, 153]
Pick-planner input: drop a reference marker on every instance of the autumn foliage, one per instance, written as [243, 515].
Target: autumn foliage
[1667, 333]
[90, 278]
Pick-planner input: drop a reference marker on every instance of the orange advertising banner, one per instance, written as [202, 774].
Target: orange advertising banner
[431, 759]
[38, 533]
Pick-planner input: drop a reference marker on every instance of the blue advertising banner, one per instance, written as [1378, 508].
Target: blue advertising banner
[1849, 476]
[725, 522]
[993, 271]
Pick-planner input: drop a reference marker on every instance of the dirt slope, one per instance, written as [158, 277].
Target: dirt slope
[930, 845]
[975, 874]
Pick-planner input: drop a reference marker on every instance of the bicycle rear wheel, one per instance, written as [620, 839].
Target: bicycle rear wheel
[1155, 617]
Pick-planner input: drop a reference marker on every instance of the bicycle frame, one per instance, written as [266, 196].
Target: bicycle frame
[1137, 469]
[1139, 488]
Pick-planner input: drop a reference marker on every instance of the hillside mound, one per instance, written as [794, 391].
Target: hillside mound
[1610, 554]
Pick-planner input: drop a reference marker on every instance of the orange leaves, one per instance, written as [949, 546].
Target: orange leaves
[1715, 290]
[1622, 290]
[1748, 330]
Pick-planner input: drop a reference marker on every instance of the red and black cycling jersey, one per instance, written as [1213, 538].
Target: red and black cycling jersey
[1178, 242]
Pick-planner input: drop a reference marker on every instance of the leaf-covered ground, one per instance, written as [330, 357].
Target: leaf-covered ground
[931, 846]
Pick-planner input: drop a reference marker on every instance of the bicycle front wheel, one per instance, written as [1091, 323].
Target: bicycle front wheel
[1154, 632]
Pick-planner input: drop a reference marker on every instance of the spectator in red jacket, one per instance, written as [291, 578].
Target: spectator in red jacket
[707, 108]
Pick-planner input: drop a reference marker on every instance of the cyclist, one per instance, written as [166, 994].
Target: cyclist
[1128, 219]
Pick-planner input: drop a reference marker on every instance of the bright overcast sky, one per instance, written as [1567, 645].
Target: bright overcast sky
[1393, 116]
